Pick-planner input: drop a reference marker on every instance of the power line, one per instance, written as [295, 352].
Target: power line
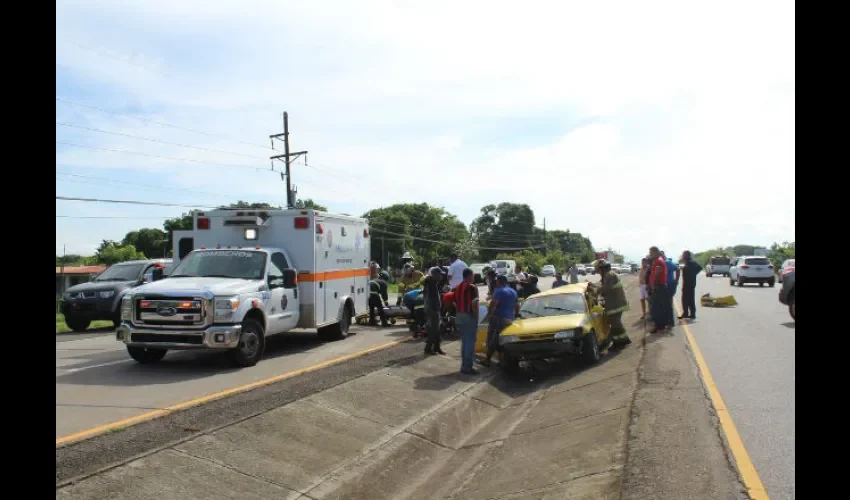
[135, 202]
[100, 131]
[137, 184]
[161, 124]
[112, 56]
[164, 157]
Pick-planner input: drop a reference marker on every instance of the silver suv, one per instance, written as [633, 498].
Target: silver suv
[751, 270]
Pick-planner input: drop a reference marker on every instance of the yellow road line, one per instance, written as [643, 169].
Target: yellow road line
[751, 479]
[144, 417]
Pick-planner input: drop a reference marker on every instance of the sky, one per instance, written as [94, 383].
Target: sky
[633, 123]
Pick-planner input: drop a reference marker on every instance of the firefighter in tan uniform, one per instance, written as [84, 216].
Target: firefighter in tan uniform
[411, 279]
[611, 290]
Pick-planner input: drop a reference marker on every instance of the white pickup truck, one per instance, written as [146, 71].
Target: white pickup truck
[717, 265]
[248, 275]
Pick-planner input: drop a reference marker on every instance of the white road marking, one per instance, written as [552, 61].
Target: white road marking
[74, 370]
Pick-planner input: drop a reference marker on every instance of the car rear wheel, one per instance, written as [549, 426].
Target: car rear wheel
[337, 331]
[771, 283]
[708, 275]
[761, 283]
[590, 349]
[740, 281]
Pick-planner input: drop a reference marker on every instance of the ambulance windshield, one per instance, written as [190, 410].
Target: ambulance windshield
[240, 264]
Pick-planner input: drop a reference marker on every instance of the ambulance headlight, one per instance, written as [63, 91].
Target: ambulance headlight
[223, 309]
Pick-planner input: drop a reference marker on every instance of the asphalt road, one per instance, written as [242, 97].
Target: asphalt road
[749, 350]
[97, 383]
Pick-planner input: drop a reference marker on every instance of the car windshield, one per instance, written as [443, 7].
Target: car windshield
[553, 305]
[757, 261]
[241, 264]
[719, 261]
[500, 264]
[121, 272]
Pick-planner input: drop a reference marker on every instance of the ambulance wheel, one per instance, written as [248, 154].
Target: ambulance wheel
[252, 342]
[337, 331]
[144, 355]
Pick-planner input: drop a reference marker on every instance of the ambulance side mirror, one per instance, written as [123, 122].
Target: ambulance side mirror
[290, 278]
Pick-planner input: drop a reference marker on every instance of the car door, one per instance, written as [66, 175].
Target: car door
[733, 269]
[283, 304]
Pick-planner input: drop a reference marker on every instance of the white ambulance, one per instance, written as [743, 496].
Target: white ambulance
[242, 275]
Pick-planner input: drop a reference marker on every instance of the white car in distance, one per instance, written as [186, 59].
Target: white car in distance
[752, 269]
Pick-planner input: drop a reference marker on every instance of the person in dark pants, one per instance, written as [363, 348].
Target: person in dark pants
[660, 292]
[378, 298]
[673, 275]
[466, 305]
[690, 271]
[503, 308]
[433, 302]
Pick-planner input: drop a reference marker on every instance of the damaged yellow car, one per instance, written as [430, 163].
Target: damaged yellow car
[557, 323]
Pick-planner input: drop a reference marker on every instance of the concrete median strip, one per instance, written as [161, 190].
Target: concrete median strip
[413, 430]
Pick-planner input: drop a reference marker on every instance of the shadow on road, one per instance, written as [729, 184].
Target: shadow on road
[791, 324]
[180, 366]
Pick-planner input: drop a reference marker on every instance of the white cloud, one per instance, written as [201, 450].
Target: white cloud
[682, 109]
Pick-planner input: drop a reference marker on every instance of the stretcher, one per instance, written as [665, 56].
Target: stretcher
[394, 313]
[726, 301]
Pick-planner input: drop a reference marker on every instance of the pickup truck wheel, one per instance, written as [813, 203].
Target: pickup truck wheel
[590, 349]
[252, 343]
[145, 355]
[77, 324]
[771, 283]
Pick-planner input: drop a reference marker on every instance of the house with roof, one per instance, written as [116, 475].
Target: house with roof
[69, 276]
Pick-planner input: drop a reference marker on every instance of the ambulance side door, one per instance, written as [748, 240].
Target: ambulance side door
[283, 310]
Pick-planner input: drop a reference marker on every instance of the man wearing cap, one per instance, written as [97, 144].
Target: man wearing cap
[559, 280]
[610, 288]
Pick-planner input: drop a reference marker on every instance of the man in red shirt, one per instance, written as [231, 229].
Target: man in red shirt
[466, 302]
[660, 292]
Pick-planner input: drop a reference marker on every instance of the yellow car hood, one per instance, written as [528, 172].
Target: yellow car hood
[549, 324]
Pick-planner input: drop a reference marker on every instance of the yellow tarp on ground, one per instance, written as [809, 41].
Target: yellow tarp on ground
[726, 301]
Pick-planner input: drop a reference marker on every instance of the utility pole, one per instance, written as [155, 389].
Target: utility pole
[287, 158]
[545, 247]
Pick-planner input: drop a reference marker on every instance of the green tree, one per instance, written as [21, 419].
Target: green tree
[506, 225]
[68, 260]
[429, 232]
[778, 253]
[152, 242]
[310, 204]
[110, 253]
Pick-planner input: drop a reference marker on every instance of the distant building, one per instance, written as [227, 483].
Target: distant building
[74, 275]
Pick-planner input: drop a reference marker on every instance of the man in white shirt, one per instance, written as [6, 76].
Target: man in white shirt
[455, 271]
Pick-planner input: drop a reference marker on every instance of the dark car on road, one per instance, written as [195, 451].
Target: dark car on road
[787, 294]
[100, 299]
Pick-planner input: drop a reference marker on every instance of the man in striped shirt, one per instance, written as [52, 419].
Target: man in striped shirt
[466, 305]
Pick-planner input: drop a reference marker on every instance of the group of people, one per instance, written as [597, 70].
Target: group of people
[428, 295]
[659, 280]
